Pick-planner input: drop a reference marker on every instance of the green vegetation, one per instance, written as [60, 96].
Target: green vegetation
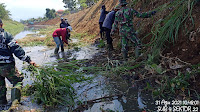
[167, 29]
[101, 44]
[71, 4]
[4, 14]
[53, 84]
[164, 31]
[50, 13]
[30, 41]
[12, 27]
[168, 86]
[9, 25]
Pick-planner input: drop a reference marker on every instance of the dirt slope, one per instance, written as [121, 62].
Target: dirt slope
[186, 48]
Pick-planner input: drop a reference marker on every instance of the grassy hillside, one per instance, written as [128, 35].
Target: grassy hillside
[12, 27]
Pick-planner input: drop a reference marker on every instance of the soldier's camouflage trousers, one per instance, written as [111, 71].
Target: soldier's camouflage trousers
[10, 72]
[133, 39]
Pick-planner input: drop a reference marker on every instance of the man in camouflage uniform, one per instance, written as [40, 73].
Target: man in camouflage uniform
[8, 46]
[124, 21]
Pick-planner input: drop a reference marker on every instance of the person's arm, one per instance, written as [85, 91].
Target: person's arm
[106, 12]
[64, 34]
[60, 25]
[68, 24]
[17, 50]
[144, 15]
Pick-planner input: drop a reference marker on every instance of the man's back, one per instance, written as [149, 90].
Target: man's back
[124, 16]
[109, 20]
[5, 53]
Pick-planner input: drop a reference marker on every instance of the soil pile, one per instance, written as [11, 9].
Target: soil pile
[186, 48]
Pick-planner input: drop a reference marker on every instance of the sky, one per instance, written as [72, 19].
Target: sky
[26, 9]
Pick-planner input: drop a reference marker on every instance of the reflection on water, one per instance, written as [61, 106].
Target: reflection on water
[23, 34]
[30, 30]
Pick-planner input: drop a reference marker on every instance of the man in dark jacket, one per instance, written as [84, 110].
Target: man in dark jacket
[107, 25]
[64, 23]
[8, 47]
[101, 19]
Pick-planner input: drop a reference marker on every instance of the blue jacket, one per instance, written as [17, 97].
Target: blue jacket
[109, 20]
[8, 47]
[103, 15]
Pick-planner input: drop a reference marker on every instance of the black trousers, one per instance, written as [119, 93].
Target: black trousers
[108, 37]
[101, 29]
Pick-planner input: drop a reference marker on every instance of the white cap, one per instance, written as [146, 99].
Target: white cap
[70, 28]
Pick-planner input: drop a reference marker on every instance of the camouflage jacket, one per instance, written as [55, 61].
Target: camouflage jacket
[8, 47]
[124, 20]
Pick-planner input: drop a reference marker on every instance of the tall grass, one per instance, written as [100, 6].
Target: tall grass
[168, 28]
[31, 41]
[53, 84]
[12, 27]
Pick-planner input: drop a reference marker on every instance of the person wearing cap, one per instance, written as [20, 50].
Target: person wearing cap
[101, 19]
[64, 23]
[59, 42]
[107, 25]
[124, 22]
[8, 47]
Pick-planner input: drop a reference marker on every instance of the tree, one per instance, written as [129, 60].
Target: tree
[4, 14]
[82, 3]
[50, 13]
[85, 3]
[70, 4]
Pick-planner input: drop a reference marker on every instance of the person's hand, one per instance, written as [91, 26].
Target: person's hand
[33, 63]
[153, 12]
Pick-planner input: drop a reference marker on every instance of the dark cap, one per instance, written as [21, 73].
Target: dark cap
[122, 2]
[1, 21]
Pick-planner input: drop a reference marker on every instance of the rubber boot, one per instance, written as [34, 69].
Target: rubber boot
[110, 47]
[124, 55]
[56, 50]
[62, 49]
[3, 100]
[101, 35]
[15, 94]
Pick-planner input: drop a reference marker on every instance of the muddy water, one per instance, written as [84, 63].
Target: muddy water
[111, 95]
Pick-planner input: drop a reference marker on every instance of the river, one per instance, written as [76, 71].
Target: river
[133, 101]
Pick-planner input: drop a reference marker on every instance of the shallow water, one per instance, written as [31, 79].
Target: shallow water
[29, 30]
